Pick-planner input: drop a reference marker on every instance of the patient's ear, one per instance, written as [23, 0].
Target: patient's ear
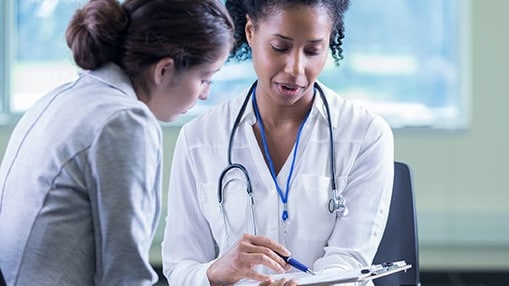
[164, 70]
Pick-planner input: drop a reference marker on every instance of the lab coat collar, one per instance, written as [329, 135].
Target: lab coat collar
[249, 116]
[318, 107]
[114, 76]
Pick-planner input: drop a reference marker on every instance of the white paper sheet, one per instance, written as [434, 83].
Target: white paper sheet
[334, 276]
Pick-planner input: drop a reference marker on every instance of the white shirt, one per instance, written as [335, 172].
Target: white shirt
[195, 232]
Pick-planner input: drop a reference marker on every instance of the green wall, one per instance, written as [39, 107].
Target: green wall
[460, 177]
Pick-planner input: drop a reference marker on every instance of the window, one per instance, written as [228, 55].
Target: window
[36, 50]
[402, 59]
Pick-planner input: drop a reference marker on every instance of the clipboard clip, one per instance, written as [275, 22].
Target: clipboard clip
[388, 268]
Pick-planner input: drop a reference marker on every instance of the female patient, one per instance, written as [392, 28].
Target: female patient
[81, 177]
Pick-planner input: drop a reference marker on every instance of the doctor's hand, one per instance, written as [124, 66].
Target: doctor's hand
[240, 260]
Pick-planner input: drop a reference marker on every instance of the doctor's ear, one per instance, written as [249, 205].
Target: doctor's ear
[165, 67]
[249, 29]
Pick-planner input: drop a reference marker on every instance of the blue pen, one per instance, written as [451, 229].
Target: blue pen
[297, 264]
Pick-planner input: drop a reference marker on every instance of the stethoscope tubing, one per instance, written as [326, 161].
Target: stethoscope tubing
[336, 203]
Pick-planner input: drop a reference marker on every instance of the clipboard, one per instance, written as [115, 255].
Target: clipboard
[332, 276]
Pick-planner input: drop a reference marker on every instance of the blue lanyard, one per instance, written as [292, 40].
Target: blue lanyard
[284, 197]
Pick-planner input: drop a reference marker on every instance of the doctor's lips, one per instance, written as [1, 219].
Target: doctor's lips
[289, 89]
[290, 85]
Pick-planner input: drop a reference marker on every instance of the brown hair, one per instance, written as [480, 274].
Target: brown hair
[138, 33]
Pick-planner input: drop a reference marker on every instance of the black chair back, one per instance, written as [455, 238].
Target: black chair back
[2, 281]
[400, 241]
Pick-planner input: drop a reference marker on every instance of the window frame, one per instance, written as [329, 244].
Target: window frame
[465, 62]
[5, 23]
[7, 28]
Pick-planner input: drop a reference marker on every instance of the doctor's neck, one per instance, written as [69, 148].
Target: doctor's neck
[274, 113]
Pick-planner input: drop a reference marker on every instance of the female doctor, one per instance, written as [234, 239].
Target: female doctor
[287, 167]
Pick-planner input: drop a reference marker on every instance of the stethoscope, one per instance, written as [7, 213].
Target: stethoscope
[337, 202]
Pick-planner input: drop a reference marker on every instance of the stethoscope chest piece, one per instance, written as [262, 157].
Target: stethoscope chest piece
[337, 204]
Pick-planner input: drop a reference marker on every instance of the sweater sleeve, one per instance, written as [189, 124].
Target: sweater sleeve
[125, 163]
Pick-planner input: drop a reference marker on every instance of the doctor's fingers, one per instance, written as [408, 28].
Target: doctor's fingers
[277, 265]
[245, 265]
[230, 268]
[263, 255]
[238, 262]
[268, 243]
[280, 282]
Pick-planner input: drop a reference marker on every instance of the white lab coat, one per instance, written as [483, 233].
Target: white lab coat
[195, 232]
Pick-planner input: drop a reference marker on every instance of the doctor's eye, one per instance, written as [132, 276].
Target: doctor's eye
[206, 82]
[279, 48]
[313, 52]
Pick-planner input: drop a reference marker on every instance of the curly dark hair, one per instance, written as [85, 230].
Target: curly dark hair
[258, 9]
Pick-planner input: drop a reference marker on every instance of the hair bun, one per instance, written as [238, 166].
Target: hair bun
[95, 33]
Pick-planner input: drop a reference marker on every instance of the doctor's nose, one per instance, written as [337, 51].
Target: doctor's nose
[295, 64]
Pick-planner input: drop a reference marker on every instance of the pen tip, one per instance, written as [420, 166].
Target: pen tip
[311, 272]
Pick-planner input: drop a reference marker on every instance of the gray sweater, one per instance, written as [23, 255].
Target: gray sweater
[80, 187]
